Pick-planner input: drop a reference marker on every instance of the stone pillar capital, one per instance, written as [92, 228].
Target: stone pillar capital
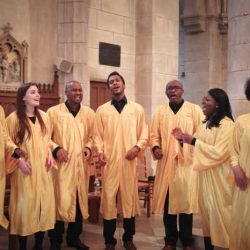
[198, 12]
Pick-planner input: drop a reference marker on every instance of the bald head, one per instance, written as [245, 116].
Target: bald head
[174, 91]
[174, 82]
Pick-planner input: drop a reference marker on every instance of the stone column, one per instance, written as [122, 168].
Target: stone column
[157, 29]
[156, 56]
[238, 54]
[205, 47]
[72, 41]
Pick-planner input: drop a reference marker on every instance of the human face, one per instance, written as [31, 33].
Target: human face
[174, 92]
[209, 105]
[32, 97]
[116, 86]
[74, 94]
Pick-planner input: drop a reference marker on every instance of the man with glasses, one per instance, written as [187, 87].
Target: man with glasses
[174, 189]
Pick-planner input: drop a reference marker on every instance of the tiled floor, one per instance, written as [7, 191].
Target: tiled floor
[149, 235]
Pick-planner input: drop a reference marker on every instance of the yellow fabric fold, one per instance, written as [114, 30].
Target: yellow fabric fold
[115, 134]
[240, 155]
[7, 147]
[32, 201]
[72, 134]
[212, 160]
[174, 171]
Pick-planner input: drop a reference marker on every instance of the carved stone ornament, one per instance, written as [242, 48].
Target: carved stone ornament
[194, 24]
[223, 17]
[13, 60]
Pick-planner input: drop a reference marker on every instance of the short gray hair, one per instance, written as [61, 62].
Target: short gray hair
[68, 85]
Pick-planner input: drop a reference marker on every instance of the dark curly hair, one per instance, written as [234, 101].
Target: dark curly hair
[224, 107]
[247, 89]
[115, 73]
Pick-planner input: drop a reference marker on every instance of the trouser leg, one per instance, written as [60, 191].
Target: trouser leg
[170, 223]
[22, 242]
[109, 227]
[129, 229]
[208, 243]
[56, 234]
[39, 240]
[185, 229]
[75, 228]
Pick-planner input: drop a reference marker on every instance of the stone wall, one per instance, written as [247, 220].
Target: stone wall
[35, 22]
[238, 54]
[205, 47]
[112, 22]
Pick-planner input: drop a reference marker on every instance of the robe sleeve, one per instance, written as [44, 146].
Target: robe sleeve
[50, 127]
[198, 117]
[142, 130]
[235, 144]
[9, 145]
[11, 163]
[98, 132]
[90, 125]
[155, 134]
[209, 156]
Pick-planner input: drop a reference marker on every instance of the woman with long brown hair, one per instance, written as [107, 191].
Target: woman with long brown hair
[32, 203]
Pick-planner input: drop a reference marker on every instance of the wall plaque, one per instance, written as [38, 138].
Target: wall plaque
[109, 54]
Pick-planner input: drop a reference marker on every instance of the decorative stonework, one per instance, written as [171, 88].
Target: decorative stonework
[13, 60]
[194, 24]
[223, 17]
[199, 13]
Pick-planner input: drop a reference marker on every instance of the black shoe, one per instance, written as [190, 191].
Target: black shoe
[38, 247]
[77, 245]
[54, 246]
[129, 245]
[109, 247]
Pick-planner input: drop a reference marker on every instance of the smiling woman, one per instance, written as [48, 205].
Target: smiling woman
[211, 161]
[32, 204]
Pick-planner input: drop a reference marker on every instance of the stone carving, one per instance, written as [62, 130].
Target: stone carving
[197, 13]
[223, 17]
[9, 64]
[13, 60]
[194, 16]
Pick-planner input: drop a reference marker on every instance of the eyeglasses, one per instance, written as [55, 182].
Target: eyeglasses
[173, 88]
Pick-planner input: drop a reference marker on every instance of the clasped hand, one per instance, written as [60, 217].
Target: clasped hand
[182, 137]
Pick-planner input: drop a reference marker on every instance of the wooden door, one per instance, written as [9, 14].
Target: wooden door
[99, 94]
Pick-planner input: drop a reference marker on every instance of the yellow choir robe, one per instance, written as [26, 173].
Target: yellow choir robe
[212, 162]
[115, 134]
[73, 134]
[174, 171]
[6, 147]
[240, 155]
[32, 201]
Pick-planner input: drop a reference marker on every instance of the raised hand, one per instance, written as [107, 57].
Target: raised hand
[50, 163]
[24, 166]
[240, 177]
[102, 160]
[62, 155]
[157, 153]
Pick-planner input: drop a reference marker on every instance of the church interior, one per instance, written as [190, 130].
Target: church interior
[202, 43]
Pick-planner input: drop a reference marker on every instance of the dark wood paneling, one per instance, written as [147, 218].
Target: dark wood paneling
[99, 94]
